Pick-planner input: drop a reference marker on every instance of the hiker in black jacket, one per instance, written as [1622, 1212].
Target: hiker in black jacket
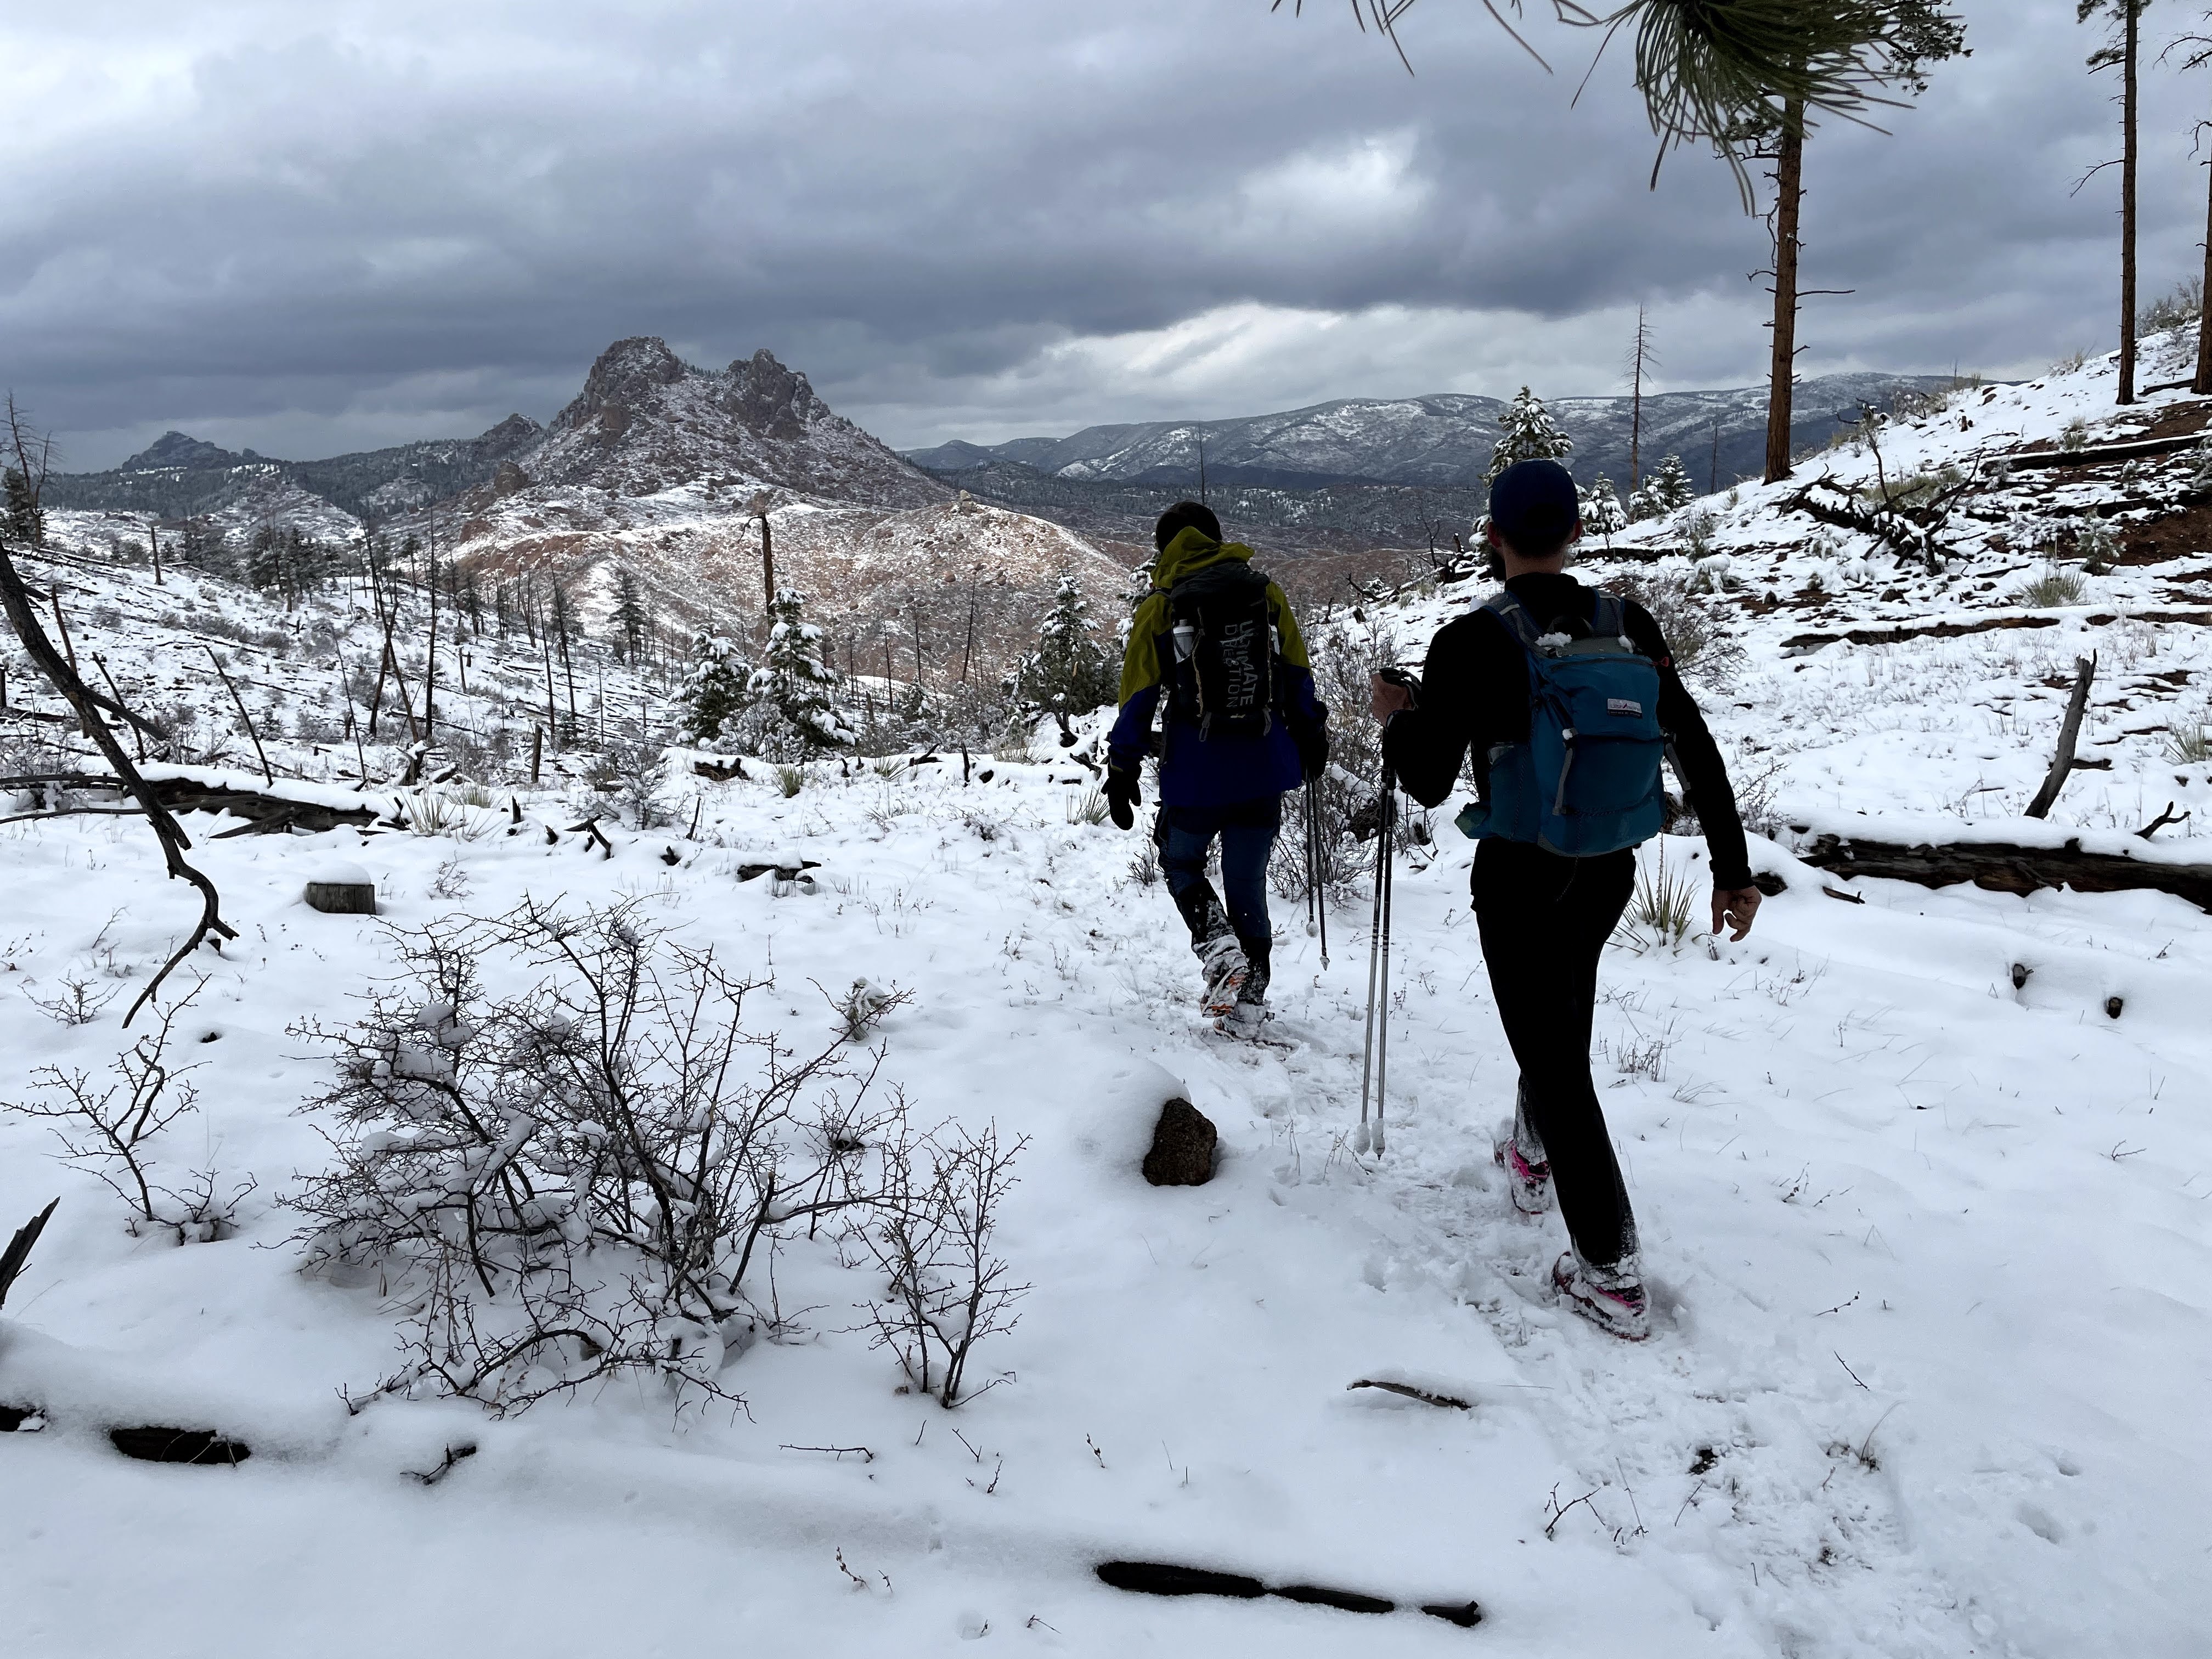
[1544, 918]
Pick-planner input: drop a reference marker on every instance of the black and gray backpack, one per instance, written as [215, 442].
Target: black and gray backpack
[1221, 644]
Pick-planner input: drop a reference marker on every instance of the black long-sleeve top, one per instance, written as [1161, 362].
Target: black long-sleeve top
[1474, 694]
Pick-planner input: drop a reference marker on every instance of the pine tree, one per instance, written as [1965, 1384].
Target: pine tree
[1603, 512]
[1670, 489]
[1068, 673]
[631, 621]
[794, 709]
[1528, 435]
[26, 520]
[2123, 49]
[717, 689]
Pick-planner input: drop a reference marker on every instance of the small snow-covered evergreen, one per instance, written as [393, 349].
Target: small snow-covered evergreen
[1528, 433]
[1668, 490]
[1603, 512]
[1068, 673]
[794, 710]
[718, 688]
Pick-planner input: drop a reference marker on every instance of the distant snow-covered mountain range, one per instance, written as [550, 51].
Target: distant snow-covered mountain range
[649, 436]
[1440, 441]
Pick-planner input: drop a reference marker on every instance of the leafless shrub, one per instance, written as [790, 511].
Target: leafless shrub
[108, 1132]
[634, 772]
[1343, 654]
[864, 1005]
[78, 1002]
[573, 1183]
[1700, 645]
[946, 1290]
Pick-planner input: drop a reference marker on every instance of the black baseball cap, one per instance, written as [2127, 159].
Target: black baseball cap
[1534, 505]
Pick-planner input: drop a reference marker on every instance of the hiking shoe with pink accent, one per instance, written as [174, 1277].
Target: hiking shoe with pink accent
[1531, 1182]
[1611, 1298]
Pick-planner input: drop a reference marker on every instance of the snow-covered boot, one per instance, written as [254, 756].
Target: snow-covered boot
[1249, 1011]
[1611, 1298]
[1520, 1155]
[1214, 941]
[1226, 970]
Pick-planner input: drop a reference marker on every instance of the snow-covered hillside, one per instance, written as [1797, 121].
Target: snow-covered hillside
[1929, 1236]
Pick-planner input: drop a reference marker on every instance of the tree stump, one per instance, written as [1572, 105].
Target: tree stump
[1183, 1144]
[342, 889]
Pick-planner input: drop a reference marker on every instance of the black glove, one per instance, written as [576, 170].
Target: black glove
[1123, 796]
[1312, 743]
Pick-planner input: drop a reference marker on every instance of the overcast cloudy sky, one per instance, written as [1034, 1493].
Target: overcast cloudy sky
[310, 228]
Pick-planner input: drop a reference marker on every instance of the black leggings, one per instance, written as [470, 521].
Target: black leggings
[1544, 921]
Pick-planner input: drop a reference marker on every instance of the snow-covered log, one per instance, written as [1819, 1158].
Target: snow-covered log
[2006, 868]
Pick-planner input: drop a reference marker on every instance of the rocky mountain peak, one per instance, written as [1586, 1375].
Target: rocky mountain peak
[179, 449]
[772, 400]
[647, 422]
[626, 374]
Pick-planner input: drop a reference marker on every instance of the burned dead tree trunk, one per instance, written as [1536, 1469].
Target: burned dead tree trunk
[2069, 733]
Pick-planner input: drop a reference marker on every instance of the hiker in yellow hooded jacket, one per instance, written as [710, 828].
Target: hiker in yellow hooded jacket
[1213, 646]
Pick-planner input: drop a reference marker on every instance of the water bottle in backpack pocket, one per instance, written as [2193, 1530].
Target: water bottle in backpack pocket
[1586, 778]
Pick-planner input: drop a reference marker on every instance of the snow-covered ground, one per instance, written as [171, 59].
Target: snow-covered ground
[1928, 1249]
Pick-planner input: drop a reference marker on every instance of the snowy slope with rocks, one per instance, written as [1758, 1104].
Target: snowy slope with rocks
[1928, 1248]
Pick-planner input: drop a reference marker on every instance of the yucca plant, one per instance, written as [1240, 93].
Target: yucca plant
[2054, 587]
[1662, 913]
[1091, 807]
[2190, 742]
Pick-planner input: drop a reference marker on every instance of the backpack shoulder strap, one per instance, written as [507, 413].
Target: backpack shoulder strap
[1515, 615]
[1608, 619]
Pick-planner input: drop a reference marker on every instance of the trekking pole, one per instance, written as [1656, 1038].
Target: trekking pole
[1383, 1004]
[1378, 973]
[1317, 875]
[1320, 865]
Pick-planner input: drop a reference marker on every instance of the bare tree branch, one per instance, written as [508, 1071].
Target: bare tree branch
[15, 598]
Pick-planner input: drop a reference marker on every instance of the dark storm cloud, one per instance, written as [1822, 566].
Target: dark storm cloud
[307, 229]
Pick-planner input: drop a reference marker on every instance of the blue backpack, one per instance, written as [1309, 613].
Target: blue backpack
[1587, 780]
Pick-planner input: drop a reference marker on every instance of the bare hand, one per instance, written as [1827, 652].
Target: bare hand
[1385, 699]
[1734, 907]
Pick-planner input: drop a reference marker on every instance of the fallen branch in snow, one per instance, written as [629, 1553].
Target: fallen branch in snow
[2132, 450]
[264, 813]
[2069, 733]
[1559, 1511]
[2005, 867]
[1412, 1393]
[2161, 822]
[1910, 532]
[1936, 630]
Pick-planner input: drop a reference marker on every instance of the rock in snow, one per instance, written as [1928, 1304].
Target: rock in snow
[1182, 1147]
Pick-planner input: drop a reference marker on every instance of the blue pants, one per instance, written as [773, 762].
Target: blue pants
[1247, 830]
